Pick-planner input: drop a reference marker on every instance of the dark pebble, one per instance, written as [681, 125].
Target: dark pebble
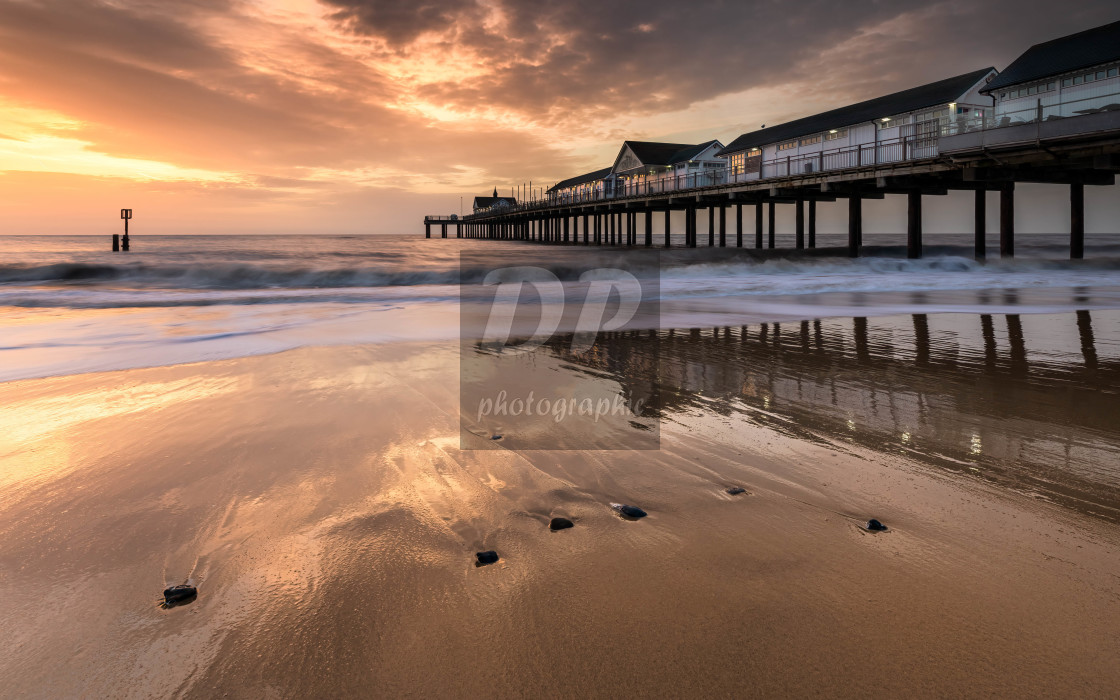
[495, 437]
[631, 511]
[486, 557]
[736, 490]
[875, 526]
[177, 594]
[560, 524]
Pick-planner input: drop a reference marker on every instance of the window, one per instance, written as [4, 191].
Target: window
[754, 152]
[941, 114]
[787, 145]
[1091, 76]
[810, 140]
[836, 134]
[737, 160]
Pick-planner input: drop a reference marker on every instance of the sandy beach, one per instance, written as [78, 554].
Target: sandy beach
[321, 501]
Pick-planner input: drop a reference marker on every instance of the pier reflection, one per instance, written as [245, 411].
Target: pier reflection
[1027, 401]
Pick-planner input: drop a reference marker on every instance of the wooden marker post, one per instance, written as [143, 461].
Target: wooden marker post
[126, 214]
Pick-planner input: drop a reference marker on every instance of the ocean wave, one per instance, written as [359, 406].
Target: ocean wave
[684, 264]
[230, 276]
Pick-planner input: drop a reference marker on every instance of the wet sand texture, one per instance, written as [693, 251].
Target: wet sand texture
[320, 501]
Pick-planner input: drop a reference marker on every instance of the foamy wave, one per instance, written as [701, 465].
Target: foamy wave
[224, 275]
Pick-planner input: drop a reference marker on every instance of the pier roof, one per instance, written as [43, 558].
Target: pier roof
[485, 202]
[581, 179]
[938, 93]
[1091, 47]
[642, 154]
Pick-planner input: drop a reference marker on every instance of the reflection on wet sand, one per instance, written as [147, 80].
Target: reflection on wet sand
[962, 392]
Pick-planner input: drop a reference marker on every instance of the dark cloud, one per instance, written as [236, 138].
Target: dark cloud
[402, 21]
[144, 35]
[581, 59]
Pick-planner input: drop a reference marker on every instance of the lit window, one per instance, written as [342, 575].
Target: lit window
[810, 140]
[787, 145]
[836, 134]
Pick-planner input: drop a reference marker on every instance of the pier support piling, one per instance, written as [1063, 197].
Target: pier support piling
[1076, 221]
[711, 227]
[427, 234]
[812, 223]
[723, 227]
[1007, 220]
[855, 225]
[668, 229]
[738, 225]
[799, 232]
[913, 225]
[758, 225]
[771, 218]
[649, 228]
[980, 225]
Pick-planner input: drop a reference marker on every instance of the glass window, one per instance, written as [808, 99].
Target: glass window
[836, 134]
[1031, 90]
[810, 140]
[1078, 80]
[1051, 86]
[1113, 71]
[1066, 82]
[1100, 75]
[787, 145]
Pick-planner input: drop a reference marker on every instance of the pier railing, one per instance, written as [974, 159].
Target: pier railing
[904, 148]
[1046, 107]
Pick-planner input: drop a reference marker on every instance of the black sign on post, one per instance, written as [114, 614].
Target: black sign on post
[126, 214]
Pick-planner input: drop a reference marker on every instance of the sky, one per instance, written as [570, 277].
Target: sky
[361, 116]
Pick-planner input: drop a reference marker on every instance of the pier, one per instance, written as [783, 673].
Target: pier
[1046, 119]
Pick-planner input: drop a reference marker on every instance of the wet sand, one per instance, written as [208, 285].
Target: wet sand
[322, 503]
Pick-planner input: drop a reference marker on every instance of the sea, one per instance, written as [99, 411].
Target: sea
[69, 305]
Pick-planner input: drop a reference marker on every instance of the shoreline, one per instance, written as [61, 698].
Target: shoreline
[65, 342]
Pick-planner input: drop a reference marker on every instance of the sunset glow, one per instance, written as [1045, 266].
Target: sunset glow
[305, 105]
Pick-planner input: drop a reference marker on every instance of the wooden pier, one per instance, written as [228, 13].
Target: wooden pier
[1052, 117]
[981, 162]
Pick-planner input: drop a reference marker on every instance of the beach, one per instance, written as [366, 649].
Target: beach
[313, 467]
[320, 500]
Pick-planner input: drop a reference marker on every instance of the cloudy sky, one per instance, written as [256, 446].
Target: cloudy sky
[289, 116]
